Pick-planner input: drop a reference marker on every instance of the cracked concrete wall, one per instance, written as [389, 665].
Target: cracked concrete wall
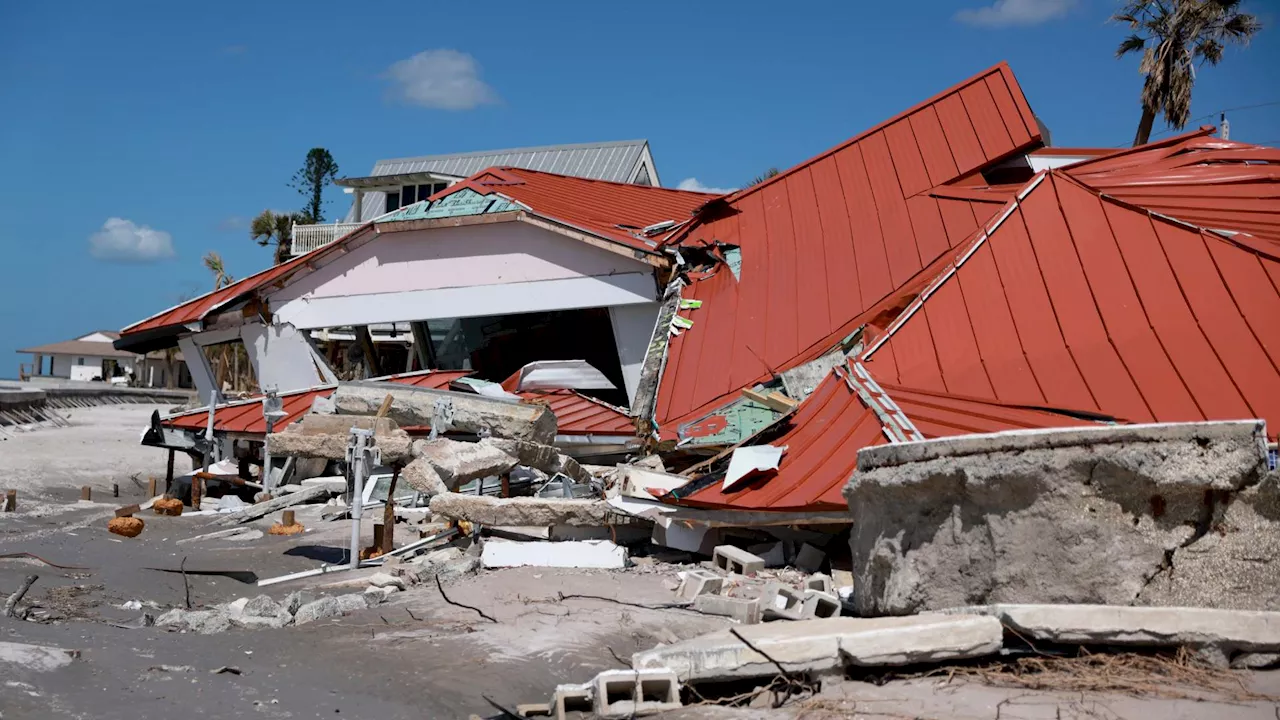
[1086, 515]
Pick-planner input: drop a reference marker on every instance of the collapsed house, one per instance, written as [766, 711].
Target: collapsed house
[943, 273]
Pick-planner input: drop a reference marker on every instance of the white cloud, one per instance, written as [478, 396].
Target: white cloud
[693, 184]
[1005, 13]
[441, 79]
[125, 241]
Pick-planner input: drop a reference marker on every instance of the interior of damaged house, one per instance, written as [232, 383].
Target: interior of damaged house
[944, 419]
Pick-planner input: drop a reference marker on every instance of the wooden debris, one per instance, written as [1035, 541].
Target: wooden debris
[14, 599]
[128, 510]
[86, 493]
[264, 509]
[11, 501]
[774, 400]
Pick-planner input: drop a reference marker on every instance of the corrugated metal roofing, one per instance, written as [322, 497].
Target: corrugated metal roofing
[1205, 181]
[614, 211]
[1077, 300]
[612, 161]
[577, 414]
[825, 241]
[826, 432]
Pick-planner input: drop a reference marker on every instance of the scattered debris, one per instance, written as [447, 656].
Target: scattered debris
[39, 658]
[11, 605]
[126, 526]
[167, 506]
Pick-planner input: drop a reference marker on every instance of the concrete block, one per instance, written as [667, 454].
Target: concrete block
[735, 560]
[571, 698]
[810, 558]
[627, 693]
[818, 604]
[534, 709]
[773, 554]
[824, 646]
[520, 511]
[458, 463]
[1254, 631]
[584, 554]
[745, 610]
[470, 413]
[699, 582]
[779, 602]
[821, 583]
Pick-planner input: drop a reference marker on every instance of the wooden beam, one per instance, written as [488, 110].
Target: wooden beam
[773, 401]
[371, 364]
[422, 346]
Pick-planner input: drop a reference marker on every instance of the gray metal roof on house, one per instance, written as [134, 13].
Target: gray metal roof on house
[613, 161]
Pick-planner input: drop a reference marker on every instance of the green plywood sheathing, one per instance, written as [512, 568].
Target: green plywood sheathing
[463, 202]
[742, 418]
[733, 256]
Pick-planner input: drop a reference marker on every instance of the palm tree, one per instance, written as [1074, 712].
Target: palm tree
[222, 363]
[270, 227]
[764, 176]
[213, 261]
[1174, 36]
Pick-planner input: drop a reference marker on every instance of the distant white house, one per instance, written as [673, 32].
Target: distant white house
[93, 357]
[400, 182]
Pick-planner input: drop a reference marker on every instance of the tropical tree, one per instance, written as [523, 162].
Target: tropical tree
[317, 171]
[1174, 37]
[763, 176]
[277, 228]
[213, 262]
[227, 360]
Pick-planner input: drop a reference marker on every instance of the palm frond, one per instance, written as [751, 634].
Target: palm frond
[1131, 44]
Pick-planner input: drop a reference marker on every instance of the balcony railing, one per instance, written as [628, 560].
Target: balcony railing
[309, 237]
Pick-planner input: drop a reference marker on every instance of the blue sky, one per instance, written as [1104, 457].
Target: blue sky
[158, 129]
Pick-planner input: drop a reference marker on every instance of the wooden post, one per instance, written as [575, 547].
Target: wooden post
[377, 536]
[287, 518]
[151, 487]
[389, 515]
[11, 501]
[370, 352]
[506, 484]
[422, 347]
[115, 490]
[197, 489]
[168, 474]
[86, 493]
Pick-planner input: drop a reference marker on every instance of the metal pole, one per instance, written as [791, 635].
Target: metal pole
[268, 485]
[357, 455]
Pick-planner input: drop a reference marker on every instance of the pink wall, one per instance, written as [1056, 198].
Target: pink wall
[469, 256]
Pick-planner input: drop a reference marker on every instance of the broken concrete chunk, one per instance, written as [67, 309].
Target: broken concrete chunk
[810, 558]
[1076, 515]
[324, 608]
[263, 606]
[352, 602]
[520, 511]
[421, 475]
[821, 646]
[699, 582]
[1229, 631]
[470, 412]
[744, 610]
[394, 448]
[39, 658]
[322, 424]
[736, 560]
[447, 563]
[257, 622]
[297, 599]
[544, 458]
[458, 463]
[386, 580]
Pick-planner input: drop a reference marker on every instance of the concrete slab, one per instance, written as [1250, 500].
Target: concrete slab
[520, 511]
[582, 554]
[1227, 630]
[827, 645]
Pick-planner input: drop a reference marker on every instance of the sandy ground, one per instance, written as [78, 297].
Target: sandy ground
[414, 657]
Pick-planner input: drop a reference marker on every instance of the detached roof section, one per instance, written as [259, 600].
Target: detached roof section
[828, 239]
[609, 210]
[1078, 301]
[826, 432]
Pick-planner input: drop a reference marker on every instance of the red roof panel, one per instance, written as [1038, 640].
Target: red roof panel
[826, 241]
[1115, 310]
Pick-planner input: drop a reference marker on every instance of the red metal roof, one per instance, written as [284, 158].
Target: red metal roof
[577, 414]
[1205, 181]
[828, 239]
[1077, 300]
[616, 211]
[832, 425]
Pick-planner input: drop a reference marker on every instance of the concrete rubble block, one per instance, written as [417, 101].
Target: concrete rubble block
[236, 607]
[774, 554]
[258, 622]
[386, 580]
[745, 610]
[579, 554]
[458, 463]
[520, 511]
[1078, 515]
[810, 558]
[395, 448]
[821, 583]
[352, 602]
[825, 646]
[297, 599]
[628, 693]
[1236, 565]
[1229, 631]
[544, 458]
[780, 602]
[206, 622]
[736, 560]
[40, 658]
[313, 424]
[322, 609]
[534, 709]
[378, 595]
[818, 604]
[571, 698]
[447, 563]
[421, 475]
[699, 582]
[471, 413]
[263, 606]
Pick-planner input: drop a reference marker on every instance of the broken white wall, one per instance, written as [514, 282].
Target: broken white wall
[282, 358]
[469, 271]
[632, 330]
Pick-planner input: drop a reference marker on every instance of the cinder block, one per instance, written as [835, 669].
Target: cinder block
[699, 582]
[571, 698]
[821, 583]
[744, 610]
[779, 602]
[810, 558]
[736, 560]
[627, 693]
[818, 604]
[534, 709]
